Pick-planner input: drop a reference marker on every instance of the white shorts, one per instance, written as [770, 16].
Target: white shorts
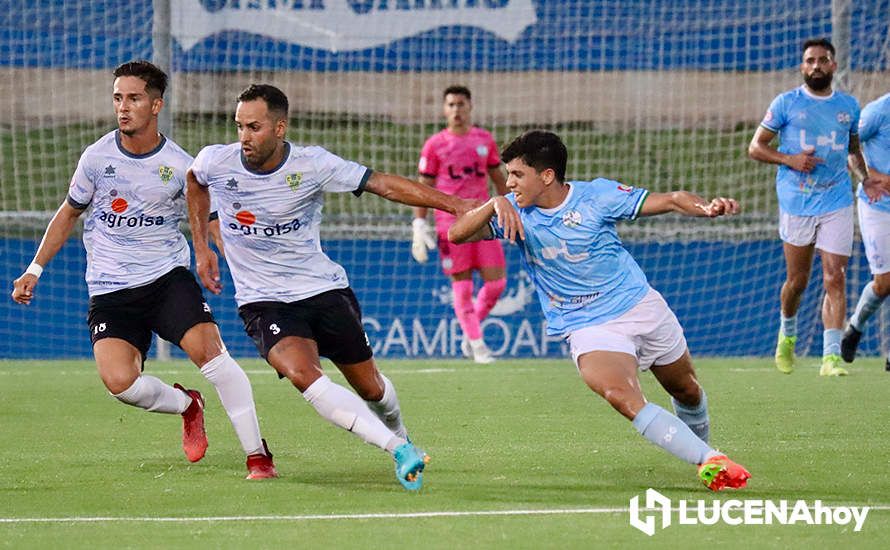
[831, 232]
[649, 331]
[874, 225]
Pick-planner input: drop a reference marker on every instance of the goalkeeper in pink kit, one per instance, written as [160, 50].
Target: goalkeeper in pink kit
[458, 161]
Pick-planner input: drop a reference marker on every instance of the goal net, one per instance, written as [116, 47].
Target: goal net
[657, 94]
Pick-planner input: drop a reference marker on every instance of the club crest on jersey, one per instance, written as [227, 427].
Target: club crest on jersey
[572, 218]
[294, 181]
[844, 118]
[232, 185]
[166, 174]
[482, 151]
[109, 171]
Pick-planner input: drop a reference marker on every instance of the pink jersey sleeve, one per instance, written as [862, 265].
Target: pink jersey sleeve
[429, 159]
[494, 158]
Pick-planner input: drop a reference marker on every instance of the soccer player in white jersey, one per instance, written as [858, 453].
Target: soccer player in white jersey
[459, 160]
[295, 302]
[595, 295]
[817, 129]
[131, 183]
[874, 222]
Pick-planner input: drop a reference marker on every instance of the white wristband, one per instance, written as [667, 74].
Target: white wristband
[419, 223]
[35, 269]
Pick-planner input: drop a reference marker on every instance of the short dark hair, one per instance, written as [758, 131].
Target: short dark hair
[275, 99]
[458, 90]
[823, 42]
[540, 150]
[155, 79]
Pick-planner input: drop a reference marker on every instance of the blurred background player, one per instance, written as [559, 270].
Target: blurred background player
[595, 295]
[817, 128]
[874, 222]
[458, 161]
[296, 302]
[137, 270]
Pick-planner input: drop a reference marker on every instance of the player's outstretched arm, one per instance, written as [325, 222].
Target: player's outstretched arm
[688, 204]
[206, 263]
[760, 150]
[54, 237]
[402, 190]
[473, 226]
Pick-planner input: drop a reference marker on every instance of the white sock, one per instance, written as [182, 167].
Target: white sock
[236, 396]
[345, 409]
[153, 395]
[387, 409]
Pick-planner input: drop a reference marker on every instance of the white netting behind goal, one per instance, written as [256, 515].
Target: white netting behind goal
[653, 93]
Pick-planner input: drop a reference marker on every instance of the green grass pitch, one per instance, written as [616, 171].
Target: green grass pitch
[514, 436]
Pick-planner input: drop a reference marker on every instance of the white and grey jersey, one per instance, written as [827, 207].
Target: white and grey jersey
[270, 221]
[131, 231]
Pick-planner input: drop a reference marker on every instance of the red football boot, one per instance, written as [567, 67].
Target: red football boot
[719, 472]
[194, 438]
[260, 466]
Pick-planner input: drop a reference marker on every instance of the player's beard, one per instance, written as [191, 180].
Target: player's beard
[258, 158]
[818, 83]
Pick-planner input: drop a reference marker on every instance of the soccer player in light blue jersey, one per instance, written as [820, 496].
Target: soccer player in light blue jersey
[595, 295]
[817, 129]
[874, 221]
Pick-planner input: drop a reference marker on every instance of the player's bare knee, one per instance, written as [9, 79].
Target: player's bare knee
[117, 383]
[301, 378]
[796, 284]
[689, 393]
[833, 281]
[622, 400]
[204, 355]
[370, 392]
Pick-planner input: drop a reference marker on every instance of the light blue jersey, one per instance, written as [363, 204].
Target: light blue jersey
[582, 273]
[804, 121]
[874, 134]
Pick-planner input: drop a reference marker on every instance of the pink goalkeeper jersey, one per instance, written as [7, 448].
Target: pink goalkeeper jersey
[460, 165]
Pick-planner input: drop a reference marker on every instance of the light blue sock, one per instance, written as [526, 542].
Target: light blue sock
[789, 325]
[671, 434]
[831, 341]
[868, 304]
[695, 417]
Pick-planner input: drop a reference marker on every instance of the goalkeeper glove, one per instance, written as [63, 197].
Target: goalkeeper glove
[422, 240]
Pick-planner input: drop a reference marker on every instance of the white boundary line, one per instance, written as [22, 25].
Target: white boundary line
[311, 517]
[329, 517]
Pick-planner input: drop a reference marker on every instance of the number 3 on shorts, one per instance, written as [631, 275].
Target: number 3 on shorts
[274, 328]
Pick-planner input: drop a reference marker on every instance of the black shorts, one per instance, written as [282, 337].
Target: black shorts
[169, 307]
[333, 319]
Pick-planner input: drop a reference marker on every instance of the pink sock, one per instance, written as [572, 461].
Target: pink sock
[463, 307]
[488, 297]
